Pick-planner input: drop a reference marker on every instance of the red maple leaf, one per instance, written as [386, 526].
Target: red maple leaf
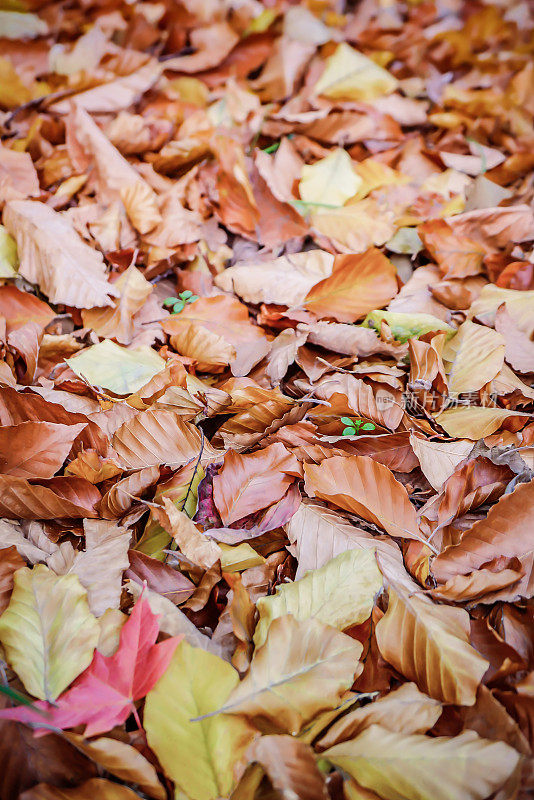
[104, 695]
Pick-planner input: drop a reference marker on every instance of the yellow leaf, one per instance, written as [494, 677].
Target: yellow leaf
[303, 668]
[473, 357]
[349, 75]
[9, 260]
[476, 422]
[330, 181]
[236, 558]
[115, 368]
[341, 593]
[47, 631]
[416, 767]
[429, 644]
[199, 756]
[406, 326]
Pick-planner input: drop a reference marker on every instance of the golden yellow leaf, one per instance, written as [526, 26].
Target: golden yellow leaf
[47, 631]
[349, 75]
[476, 422]
[303, 668]
[341, 593]
[416, 767]
[429, 644]
[197, 754]
[9, 260]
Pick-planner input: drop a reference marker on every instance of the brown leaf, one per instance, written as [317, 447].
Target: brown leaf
[506, 531]
[10, 562]
[362, 486]
[358, 284]
[115, 95]
[96, 787]
[20, 307]
[456, 255]
[159, 437]
[161, 578]
[35, 449]
[26, 760]
[248, 483]
[290, 766]
[53, 256]
[57, 498]
[429, 644]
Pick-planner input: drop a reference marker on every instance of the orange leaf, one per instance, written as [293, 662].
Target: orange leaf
[358, 284]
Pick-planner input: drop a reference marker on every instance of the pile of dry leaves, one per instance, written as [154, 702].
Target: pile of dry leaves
[267, 400]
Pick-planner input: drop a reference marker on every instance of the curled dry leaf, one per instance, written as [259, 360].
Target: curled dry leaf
[54, 257]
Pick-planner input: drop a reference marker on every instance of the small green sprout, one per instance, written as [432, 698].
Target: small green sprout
[354, 426]
[178, 303]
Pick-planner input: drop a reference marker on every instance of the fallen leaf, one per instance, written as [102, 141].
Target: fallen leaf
[195, 684]
[426, 768]
[364, 487]
[53, 256]
[115, 368]
[47, 645]
[439, 460]
[340, 593]
[249, 483]
[357, 285]
[107, 790]
[290, 766]
[349, 75]
[105, 693]
[431, 634]
[295, 657]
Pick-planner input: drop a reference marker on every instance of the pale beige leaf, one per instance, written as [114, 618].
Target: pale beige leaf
[439, 460]
[320, 534]
[429, 644]
[53, 256]
[174, 622]
[195, 545]
[341, 593]
[404, 710]
[100, 566]
[363, 486]
[284, 281]
[303, 668]
[116, 176]
[400, 767]
[117, 323]
[115, 95]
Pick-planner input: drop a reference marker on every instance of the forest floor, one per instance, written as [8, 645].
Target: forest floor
[267, 400]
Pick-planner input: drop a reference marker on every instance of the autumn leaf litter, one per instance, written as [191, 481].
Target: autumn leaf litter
[266, 401]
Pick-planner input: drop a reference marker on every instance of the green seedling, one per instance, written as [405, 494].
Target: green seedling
[354, 426]
[178, 303]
